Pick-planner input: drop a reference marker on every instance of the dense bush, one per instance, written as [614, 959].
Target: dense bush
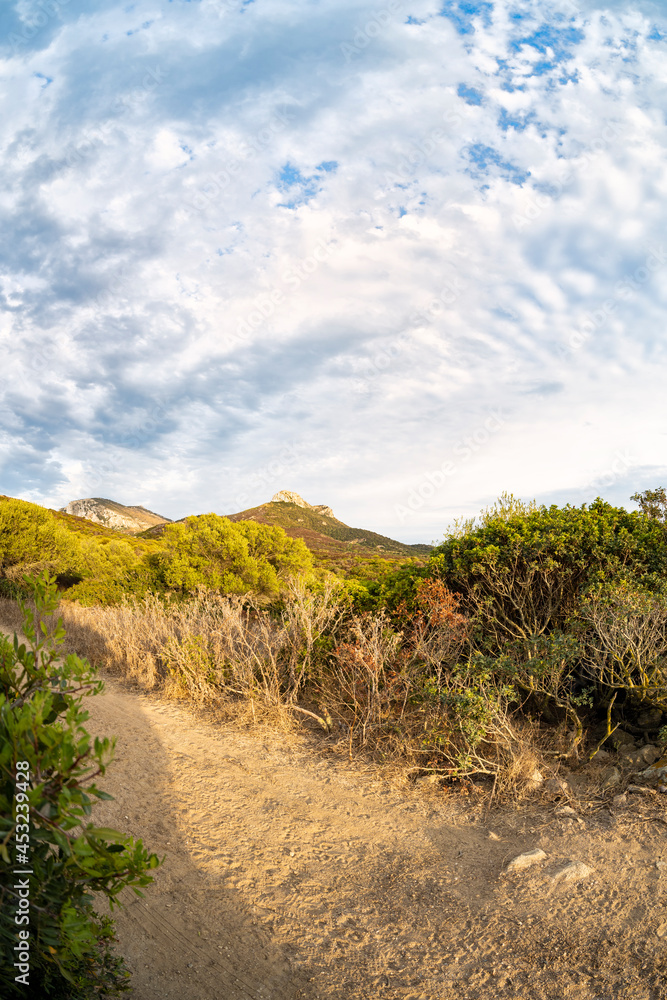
[31, 535]
[523, 575]
[209, 551]
[566, 604]
[231, 558]
[45, 827]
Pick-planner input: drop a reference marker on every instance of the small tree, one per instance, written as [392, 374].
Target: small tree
[48, 767]
[653, 503]
[624, 643]
[229, 557]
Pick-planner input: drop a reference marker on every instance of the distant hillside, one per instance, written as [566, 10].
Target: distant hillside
[128, 520]
[334, 544]
[352, 553]
[296, 515]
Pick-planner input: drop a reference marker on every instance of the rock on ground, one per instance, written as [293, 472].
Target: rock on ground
[574, 872]
[526, 860]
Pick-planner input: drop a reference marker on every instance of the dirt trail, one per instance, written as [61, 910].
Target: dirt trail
[292, 875]
[289, 874]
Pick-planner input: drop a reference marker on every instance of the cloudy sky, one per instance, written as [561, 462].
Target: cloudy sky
[396, 255]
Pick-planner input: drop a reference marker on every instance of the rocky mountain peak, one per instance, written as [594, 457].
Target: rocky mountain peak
[118, 516]
[287, 496]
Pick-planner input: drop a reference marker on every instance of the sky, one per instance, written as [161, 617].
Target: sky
[398, 256]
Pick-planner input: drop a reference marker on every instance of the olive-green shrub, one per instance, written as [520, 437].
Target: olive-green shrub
[48, 767]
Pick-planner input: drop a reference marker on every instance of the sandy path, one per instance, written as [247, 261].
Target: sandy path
[291, 875]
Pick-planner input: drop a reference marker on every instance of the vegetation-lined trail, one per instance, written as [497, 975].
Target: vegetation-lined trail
[288, 875]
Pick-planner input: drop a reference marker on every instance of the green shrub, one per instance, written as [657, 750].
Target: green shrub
[31, 535]
[521, 574]
[395, 589]
[231, 558]
[43, 739]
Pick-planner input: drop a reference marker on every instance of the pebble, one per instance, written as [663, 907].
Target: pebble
[619, 739]
[573, 872]
[493, 836]
[641, 788]
[526, 860]
[620, 800]
[645, 755]
[429, 779]
[651, 717]
[656, 770]
[535, 780]
[567, 811]
[556, 786]
[611, 776]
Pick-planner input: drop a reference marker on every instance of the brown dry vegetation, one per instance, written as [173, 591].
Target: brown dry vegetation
[400, 697]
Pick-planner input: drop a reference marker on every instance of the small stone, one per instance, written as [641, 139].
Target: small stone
[556, 786]
[573, 872]
[535, 780]
[650, 753]
[611, 776]
[650, 719]
[600, 756]
[526, 860]
[493, 836]
[658, 769]
[662, 930]
[567, 811]
[620, 739]
[620, 800]
[645, 755]
[429, 779]
[642, 789]
[661, 865]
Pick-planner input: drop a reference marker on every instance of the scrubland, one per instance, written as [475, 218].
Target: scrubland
[531, 642]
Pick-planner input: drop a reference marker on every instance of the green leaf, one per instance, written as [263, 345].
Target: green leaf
[106, 833]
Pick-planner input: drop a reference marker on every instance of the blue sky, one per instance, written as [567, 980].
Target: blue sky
[396, 256]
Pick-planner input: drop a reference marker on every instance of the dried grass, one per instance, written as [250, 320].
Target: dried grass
[399, 698]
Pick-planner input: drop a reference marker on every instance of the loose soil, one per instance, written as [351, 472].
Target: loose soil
[291, 874]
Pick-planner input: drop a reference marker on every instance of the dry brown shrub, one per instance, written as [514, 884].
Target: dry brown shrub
[401, 697]
[368, 682]
[10, 614]
[211, 647]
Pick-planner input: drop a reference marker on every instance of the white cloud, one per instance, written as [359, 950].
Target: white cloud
[242, 259]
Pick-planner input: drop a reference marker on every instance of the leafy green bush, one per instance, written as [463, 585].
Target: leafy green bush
[231, 558]
[31, 535]
[48, 767]
[522, 574]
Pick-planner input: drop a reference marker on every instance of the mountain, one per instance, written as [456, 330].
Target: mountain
[286, 496]
[334, 544]
[320, 529]
[128, 520]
